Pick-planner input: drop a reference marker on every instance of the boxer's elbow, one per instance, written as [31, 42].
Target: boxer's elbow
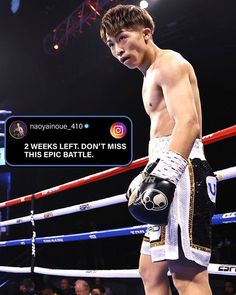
[193, 126]
[190, 124]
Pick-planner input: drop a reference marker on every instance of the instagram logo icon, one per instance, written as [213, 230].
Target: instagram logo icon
[118, 130]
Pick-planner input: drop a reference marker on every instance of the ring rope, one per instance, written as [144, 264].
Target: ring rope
[221, 175]
[68, 210]
[134, 230]
[213, 268]
[225, 174]
[213, 137]
[217, 136]
[224, 218]
[76, 183]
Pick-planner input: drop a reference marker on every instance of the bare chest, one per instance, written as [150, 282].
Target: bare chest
[152, 97]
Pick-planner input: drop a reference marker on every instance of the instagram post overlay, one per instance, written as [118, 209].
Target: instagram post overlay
[68, 141]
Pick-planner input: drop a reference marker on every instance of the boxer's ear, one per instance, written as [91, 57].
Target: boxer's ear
[147, 34]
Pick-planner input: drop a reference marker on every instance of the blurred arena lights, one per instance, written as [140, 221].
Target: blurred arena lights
[56, 46]
[143, 4]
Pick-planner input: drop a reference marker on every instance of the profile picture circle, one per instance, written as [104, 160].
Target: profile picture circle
[18, 129]
[118, 130]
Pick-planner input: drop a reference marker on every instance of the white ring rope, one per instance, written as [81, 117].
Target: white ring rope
[226, 174]
[221, 175]
[216, 269]
[68, 210]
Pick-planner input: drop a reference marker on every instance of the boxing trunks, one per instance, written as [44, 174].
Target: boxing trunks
[190, 213]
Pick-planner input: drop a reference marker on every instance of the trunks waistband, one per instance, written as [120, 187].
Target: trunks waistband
[157, 146]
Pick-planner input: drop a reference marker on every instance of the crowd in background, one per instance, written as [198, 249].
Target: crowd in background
[65, 286]
[97, 286]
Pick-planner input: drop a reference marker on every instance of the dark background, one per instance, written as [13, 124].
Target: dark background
[85, 79]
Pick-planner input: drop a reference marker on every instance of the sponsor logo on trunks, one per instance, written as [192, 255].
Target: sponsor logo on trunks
[229, 268]
[229, 215]
[154, 200]
[211, 187]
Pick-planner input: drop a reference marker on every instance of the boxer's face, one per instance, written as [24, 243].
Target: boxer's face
[129, 47]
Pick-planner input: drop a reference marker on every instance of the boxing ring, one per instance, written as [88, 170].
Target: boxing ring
[225, 218]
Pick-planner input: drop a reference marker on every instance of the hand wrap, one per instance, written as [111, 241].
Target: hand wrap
[151, 194]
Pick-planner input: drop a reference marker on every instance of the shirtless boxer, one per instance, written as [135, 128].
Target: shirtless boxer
[175, 194]
[18, 131]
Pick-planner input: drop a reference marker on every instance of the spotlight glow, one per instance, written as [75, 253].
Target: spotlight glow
[143, 4]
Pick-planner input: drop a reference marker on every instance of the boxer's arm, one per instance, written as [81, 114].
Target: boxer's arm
[180, 103]
[151, 201]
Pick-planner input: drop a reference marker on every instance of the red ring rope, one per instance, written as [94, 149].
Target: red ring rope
[208, 139]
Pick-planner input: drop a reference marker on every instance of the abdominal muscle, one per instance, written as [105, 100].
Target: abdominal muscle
[161, 124]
